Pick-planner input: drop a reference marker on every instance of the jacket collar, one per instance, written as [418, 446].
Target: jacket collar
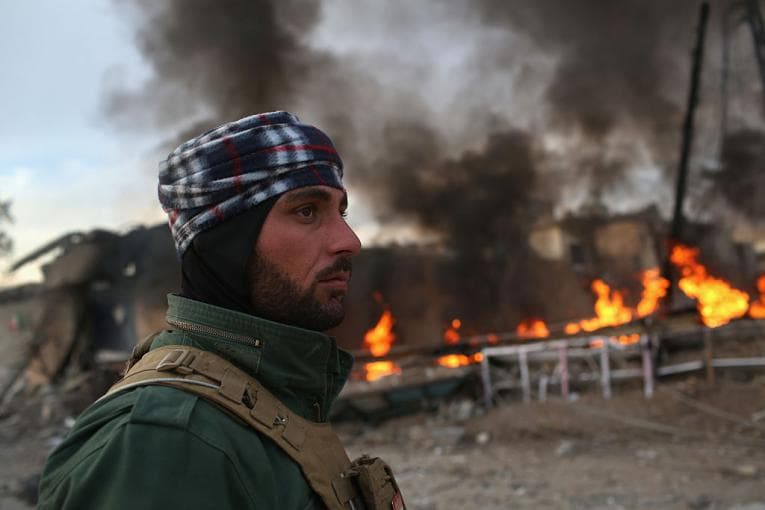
[302, 368]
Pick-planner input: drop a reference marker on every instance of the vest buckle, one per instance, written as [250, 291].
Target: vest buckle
[177, 360]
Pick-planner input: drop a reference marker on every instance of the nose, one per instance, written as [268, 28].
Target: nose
[345, 239]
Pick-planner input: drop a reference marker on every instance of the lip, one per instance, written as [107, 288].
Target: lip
[338, 280]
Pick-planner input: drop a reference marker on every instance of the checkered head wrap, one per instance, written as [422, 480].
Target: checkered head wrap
[238, 165]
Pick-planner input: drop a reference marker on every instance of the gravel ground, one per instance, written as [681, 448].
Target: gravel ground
[690, 447]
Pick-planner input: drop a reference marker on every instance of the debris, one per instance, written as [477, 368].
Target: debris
[448, 436]
[566, 448]
[482, 437]
[646, 454]
[746, 470]
[700, 502]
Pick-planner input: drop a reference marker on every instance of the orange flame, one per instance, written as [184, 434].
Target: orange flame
[654, 288]
[379, 340]
[757, 308]
[532, 328]
[451, 335]
[717, 301]
[609, 310]
[459, 360]
[621, 339]
[379, 369]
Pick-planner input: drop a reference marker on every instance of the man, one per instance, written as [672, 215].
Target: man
[257, 212]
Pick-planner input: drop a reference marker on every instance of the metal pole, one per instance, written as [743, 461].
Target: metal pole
[685, 149]
[724, 72]
[563, 367]
[754, 16]
[648, 374]
[709, 357]
[543, 380]
[605, 369]
[525, 379]
[486, 379]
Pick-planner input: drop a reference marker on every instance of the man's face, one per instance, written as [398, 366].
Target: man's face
[300, 270]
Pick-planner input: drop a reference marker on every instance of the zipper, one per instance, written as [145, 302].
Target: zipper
[211, 331]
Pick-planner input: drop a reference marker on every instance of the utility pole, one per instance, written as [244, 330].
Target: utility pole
[754, 17]
[675, 235]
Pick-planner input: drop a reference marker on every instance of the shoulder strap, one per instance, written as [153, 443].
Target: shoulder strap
[313, 446]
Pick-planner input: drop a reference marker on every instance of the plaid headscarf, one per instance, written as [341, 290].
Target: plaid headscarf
[237, 166]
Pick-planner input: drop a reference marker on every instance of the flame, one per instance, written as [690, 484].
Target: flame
[654, 288]
[572, 328]
[532, 328]
[757, 308]
[379, 369]
[459, 360]
[717, 301]
[451, 335]
[630, 339]
[609, 310]
[379, 340]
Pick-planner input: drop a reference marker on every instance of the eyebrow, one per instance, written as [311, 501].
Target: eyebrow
[313, 193]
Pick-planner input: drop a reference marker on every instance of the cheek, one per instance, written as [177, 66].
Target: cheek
[291, 254]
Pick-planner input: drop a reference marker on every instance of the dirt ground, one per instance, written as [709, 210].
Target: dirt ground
[692, 446]
[689, 447]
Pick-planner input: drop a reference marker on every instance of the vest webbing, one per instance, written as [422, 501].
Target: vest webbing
[313, 446]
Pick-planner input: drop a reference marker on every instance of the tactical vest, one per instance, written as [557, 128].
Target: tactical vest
[364, 484]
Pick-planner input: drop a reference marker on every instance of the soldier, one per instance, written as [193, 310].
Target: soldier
[228, 409]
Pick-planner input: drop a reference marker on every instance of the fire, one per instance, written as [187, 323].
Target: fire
[379, 340]
[654, 288]
[379, 369]
[621, 339]
[609, 310]
[532, 328]
[757, 308]
[451, 335]
[717, 301]
[459, 360]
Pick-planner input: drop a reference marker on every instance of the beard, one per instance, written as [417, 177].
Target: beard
[274, 296]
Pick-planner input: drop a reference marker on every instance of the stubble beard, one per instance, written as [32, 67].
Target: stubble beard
[274, 296]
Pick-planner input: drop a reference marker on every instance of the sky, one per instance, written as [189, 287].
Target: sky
[66, 167]
[62, 165]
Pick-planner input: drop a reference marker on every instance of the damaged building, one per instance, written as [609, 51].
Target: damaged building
[103, 291]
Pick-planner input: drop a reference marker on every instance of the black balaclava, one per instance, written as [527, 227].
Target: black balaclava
[214, 265]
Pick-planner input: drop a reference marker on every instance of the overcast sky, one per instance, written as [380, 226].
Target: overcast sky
[61, 164]
[68, 168]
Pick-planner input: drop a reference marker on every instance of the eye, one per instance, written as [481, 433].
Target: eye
[306, 212]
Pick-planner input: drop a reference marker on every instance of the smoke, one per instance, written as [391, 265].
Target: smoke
[218, 60]
[741, 180]
[476, 117]
[621, 74]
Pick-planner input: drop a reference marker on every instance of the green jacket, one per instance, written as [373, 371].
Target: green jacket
[156, 447]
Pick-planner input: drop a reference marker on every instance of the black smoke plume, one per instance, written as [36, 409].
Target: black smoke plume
[220, 61]
[742, 179]
[621, 71]
[617, 88]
